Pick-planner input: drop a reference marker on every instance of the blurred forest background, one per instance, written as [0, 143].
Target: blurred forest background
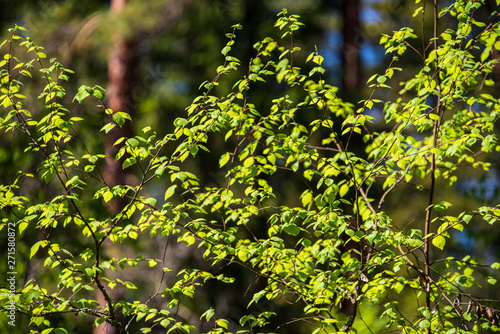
[152, 56]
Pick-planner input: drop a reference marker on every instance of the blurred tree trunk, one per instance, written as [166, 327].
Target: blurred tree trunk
[122, 65]
[351, 64]
[352, 76]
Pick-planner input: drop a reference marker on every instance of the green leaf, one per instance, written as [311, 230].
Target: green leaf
[208, 314]
[442, 206]
[60, 331]
[98, 94]
[343, 190]
[224, 159]
[180, 122]
[434, 117]
[159, 170]
[439, 241]
[83, 92]
[108, 127]
[248, 162]
[491, 280]
[306, 198]
[222, 323]
[36, 246]
[291, 229]
[170, 191]
[22, 226]
[424, 324]
[132, 142]
[107, 196]
[381, 79]
[151, 201]
[398, 287]
[467, 217]
[226, 50]
[119, 119]
[129, 162]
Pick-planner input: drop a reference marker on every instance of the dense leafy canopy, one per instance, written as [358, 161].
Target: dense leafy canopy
[335, 251]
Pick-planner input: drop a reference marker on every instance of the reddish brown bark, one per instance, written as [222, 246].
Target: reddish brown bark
[122, 64]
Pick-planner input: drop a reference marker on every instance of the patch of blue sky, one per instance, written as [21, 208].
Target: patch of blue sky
[371, 55]
[370, 15]
[485, 189]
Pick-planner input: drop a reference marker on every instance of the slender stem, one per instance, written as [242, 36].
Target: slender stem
[428, 218]
[428, 214]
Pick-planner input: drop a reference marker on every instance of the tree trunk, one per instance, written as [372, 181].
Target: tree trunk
[351, 85]
[351, 64]
[122, 64]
